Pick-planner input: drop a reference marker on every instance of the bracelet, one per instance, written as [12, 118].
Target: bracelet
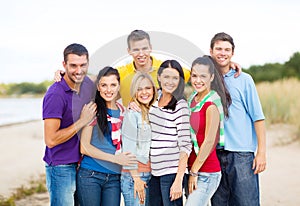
[193, 174]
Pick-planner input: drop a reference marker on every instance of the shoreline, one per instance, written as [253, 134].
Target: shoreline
[18, 123]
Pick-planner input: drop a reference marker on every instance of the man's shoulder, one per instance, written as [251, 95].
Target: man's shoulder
[245, 78]
[156, 62]
[125, 69]
[55, 88]
[88, 82]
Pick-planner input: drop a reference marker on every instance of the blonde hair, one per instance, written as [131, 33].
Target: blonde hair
[136, 81]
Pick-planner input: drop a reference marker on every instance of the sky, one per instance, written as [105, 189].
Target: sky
[34, 33]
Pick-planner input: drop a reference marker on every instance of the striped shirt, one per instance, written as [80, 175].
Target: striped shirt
[170, 136]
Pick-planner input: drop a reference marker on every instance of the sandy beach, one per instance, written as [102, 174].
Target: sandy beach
[22, 148]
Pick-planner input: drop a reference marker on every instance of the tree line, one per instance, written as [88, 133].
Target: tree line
[268, 72]
[24, 88]
[272, 72]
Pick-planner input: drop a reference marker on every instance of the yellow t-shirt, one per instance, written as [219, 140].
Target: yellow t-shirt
[128, 71]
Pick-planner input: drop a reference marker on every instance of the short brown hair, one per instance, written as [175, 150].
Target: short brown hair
[222, 37]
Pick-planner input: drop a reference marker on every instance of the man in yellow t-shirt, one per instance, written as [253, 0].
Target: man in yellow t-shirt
[140, 48]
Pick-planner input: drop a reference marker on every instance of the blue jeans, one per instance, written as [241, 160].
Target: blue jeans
[127, 188]
[159, 191]
[239, 185]
[61, 184]
[207, 184]
[96, 188]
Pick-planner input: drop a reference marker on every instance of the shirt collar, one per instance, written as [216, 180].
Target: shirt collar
[66, 86]
[230, 73]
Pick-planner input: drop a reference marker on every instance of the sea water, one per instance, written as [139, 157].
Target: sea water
[17, 110]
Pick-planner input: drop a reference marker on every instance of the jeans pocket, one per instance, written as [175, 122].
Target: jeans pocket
[203, 178]
[203, 182]
[243, 166]
[85, 173]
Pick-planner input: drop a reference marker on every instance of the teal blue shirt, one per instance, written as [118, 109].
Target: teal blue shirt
[104, 143]
[240, 135]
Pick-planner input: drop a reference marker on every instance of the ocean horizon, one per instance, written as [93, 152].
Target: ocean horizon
[20, 110]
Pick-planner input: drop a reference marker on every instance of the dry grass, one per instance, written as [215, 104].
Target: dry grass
[34, 186]
[281, 101]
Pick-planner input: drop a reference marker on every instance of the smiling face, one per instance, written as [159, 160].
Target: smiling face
[108, 87]
[222, 53]
[140, 51]
[201, 79]
[76, 68]
[169, 80]
[145, 91]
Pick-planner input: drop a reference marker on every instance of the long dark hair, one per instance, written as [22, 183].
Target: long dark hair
[100, 102]
[218, 83]
[178, 93]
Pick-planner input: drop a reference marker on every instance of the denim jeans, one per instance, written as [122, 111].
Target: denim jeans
[239, 185]
[207, 184]
[159, 191]
[61, 184]
[96, 188]
[127, 188]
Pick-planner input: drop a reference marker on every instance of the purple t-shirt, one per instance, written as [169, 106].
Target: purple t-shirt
[62, 103]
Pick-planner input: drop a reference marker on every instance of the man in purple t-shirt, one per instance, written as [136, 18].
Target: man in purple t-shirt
[67, 107]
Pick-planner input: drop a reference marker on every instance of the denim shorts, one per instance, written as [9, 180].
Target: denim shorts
[239, 185]
[207, 184]
[61, 184]
[127, 188]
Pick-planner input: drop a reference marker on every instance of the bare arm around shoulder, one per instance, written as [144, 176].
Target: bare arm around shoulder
[259, 163]
[55, 136]
[209, 143]
[60, 73]
[87, 148]
[237, 68]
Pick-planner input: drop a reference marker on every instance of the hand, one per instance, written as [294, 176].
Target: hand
[139, 188]
[134, 107]
[176, 190]
[259, 163]
[126, 159]
[88, 113]
[237, 68]
[192, 183]
[58, 75]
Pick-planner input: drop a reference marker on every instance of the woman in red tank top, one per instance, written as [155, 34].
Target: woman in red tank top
[208, 105]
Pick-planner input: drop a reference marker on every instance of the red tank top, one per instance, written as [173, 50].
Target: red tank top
[198, 123]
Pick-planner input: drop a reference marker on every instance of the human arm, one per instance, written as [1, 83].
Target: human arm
[58, 75]
[87, 148]
[209, 143]
[129, 135]
[237, 68]
[259, 163]
[185, 146]
[55, 136]
[254, 109]
[133, 106]
[139, 186]
[176, 188]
